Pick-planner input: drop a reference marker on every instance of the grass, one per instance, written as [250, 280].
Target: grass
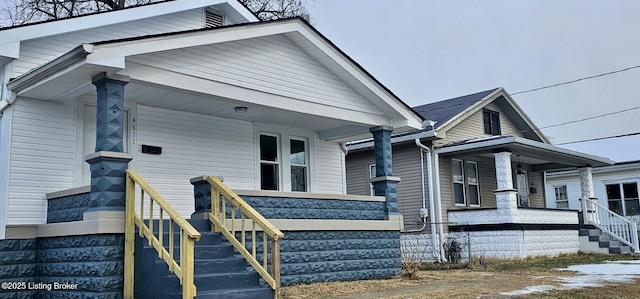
[483, 278]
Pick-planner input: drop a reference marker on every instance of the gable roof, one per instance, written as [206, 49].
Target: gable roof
[68, 73]
[443, 111]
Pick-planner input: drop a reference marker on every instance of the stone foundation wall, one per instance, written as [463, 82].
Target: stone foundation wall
[319, 256]
[18, 267]
[90, 266]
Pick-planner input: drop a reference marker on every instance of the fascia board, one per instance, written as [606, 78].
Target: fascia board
[106, 19]
[10, 50]
[394, 140]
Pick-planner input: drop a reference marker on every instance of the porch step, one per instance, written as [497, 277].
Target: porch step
[605, 241]
[219, 272]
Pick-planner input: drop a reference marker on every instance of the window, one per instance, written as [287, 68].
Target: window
[372, 174]
[623, 198]
[472, 183]
[298, 159]
[269, 163]
[284, 159]
[491, 121]
[466, 188]
[458, 182]
[562, 200]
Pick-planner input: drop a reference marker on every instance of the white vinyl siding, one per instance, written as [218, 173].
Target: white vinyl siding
[36, 52]
[327, 167]
[192, 145]
[42, 157]
[270, 64]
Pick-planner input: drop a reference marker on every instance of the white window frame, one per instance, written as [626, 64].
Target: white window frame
[622, 197]
[306, 159]
[372, 174]
[561, 200]
[285, 135]
[454, 182]
[278, 162]
[477, 183]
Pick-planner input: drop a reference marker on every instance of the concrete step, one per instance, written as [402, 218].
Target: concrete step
[245, 293]
[227, 280]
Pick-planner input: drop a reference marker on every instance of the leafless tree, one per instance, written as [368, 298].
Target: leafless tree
[19, 12]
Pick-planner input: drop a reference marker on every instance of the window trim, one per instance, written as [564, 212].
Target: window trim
[306, 159]
[622, 199]
[477, 183]
[454, 182]
[285, 135]
[566, 194]
[372, 174]
[490, 113]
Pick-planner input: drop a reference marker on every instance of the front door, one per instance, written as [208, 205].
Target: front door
[523, 189]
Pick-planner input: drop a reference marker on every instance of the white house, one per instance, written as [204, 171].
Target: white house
[180, 89]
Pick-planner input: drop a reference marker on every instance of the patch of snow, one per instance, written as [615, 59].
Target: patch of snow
[592, 275]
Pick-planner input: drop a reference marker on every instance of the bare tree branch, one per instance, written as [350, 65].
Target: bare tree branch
[19, 12]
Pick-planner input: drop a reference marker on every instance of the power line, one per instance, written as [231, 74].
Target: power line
[599, 138]
[589, 118]
[577, 80]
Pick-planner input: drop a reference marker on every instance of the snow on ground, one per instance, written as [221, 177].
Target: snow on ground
[592, 275]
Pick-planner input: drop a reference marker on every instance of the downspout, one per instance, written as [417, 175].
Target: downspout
[345, 151]
[438, 200]
[6, 98]
[423, 149]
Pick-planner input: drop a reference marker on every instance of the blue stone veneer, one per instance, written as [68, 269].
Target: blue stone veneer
[68, 208]
[18, 263]
[93, 262]
[305, 208]
[320, 256]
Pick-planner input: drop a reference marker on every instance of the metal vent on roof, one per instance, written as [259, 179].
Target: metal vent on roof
[212, 19]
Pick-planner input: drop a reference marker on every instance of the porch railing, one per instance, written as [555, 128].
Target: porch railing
[152, 203]
[248, 219]
[609, 222]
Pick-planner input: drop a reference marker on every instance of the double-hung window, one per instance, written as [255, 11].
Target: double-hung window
[491, 121]
[372, 174]
[284, 162]
[562, 200]
[623, 198]
[466, 189]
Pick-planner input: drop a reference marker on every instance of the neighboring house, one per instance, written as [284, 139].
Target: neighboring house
[177, 90]
[614, 186]
[477, 167]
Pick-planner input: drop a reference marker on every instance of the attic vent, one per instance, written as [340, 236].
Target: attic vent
[212, 19]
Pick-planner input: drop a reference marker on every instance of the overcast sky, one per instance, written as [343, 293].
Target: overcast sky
[427, 51]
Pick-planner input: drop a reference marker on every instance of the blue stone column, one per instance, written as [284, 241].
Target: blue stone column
[108, 164]
[202, 197]
[385, 184]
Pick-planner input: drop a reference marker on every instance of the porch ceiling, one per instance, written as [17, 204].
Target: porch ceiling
[540, 156]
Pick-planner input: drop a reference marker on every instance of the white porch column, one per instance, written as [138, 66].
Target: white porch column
[506, 199]
[586, 182]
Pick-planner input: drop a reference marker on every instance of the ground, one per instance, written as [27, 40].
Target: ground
[492, 279]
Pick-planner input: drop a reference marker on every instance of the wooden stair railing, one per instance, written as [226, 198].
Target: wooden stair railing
[249, 218]
[188, 234]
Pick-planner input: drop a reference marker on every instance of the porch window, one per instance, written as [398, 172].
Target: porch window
[269, 163]
[472, 183]
[562, 200]
[491, 121]
[623, 198]
[458, 182]
[372, 174]
[298, 159]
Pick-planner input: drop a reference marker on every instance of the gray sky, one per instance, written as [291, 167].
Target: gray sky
[426, 51]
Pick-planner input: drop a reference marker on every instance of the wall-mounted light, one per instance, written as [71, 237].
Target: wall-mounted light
[240, 109]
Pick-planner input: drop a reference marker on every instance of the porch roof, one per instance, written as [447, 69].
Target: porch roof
[540, 156]
[69, 76]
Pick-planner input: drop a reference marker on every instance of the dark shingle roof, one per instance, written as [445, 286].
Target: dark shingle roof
[443, 111]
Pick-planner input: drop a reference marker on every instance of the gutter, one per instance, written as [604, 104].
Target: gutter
[67, 61]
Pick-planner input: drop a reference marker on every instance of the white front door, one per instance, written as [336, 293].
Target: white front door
[523, 189]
